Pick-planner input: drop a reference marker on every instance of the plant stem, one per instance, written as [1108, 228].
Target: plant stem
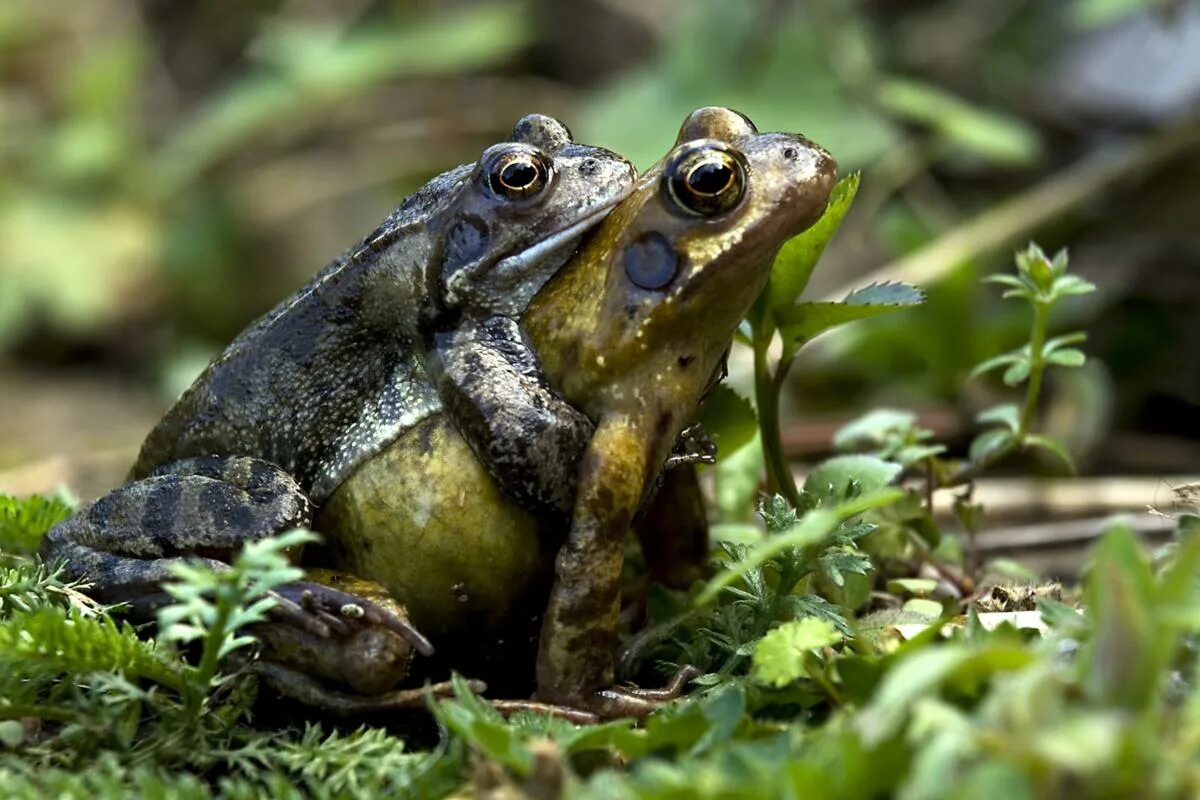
[1037, 365]
[766, 396]
[209, 659]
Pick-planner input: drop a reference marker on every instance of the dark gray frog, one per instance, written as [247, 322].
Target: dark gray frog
[332, 375]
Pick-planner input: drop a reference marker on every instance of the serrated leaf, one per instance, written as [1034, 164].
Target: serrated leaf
[799, 255]
[802, 322]
[780, 657]
[813, 605]
[888, 293]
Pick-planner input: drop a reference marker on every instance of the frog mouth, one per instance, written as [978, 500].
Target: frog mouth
[559, 240]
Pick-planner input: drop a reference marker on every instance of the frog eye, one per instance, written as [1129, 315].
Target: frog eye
[517, 175]
[705, 179]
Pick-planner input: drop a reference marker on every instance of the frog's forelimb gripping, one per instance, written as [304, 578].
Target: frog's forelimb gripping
[528, 438]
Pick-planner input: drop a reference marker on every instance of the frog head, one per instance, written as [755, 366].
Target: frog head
[517, 214]
[657, 292]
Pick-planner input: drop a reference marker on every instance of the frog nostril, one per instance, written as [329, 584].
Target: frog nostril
[588, 167]
[790, 153]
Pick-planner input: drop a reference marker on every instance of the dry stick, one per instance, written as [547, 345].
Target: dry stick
[1004, 223]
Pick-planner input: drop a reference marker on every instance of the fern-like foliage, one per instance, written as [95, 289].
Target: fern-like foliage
[28, 585]
[24, 522]
[47, 643]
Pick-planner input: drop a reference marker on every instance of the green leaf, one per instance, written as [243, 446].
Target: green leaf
[799, 255]
[917, 586]
[997, 137]
[813, 528]
[1067, 357]
[930, 609]
[888, 293]
[1060, 616]
[1018, 372]
[836, 479]
[873, 428]
[1053, 446]
[1123, 661]
[1068, 285]
[23, 522]
[780, 657]
[802, 322]
[729, 419]
[1007, 415]
[989, 442]
[1003, 360]
[1058, 342]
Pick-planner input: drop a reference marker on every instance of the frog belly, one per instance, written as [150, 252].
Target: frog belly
[425, 520]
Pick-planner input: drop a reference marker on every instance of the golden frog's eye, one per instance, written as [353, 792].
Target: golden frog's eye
[705, 179]
[517, 175]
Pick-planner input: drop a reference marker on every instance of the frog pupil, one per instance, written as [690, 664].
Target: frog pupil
[710, 177]
[518, 174]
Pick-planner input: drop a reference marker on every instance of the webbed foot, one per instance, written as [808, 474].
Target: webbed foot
[366, 644]
[617, 702]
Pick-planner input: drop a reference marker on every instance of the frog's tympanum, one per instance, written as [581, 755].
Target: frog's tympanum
[632, 332]
[337, 372]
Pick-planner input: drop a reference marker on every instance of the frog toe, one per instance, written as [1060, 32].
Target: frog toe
[303, 687]
[344, 612]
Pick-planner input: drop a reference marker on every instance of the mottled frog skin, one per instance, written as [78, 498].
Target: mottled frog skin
[633, 332]
[335, 373]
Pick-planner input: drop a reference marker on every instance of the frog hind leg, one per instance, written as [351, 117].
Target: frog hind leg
[204, 508]
[301, 686]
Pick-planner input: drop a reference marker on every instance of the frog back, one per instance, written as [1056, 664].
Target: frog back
[328, 377]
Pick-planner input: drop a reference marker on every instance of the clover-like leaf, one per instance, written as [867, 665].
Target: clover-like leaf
[781, 656]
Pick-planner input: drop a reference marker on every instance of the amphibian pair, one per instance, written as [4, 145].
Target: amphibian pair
[474, 445]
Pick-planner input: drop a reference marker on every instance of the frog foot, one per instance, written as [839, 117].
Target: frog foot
[618, 702]
[303, 687]
[341, 637]
[327, 612]
[694, 446]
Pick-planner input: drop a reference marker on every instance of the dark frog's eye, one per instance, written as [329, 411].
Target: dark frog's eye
[705, 179]
[517, 174]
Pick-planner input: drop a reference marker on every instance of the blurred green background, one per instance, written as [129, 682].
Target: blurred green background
[170, 170]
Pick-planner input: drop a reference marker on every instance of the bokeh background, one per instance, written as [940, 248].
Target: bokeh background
[169, 170]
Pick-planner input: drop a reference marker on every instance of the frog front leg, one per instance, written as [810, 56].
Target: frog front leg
[576, 653]
[526, 436]
[206, 509]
